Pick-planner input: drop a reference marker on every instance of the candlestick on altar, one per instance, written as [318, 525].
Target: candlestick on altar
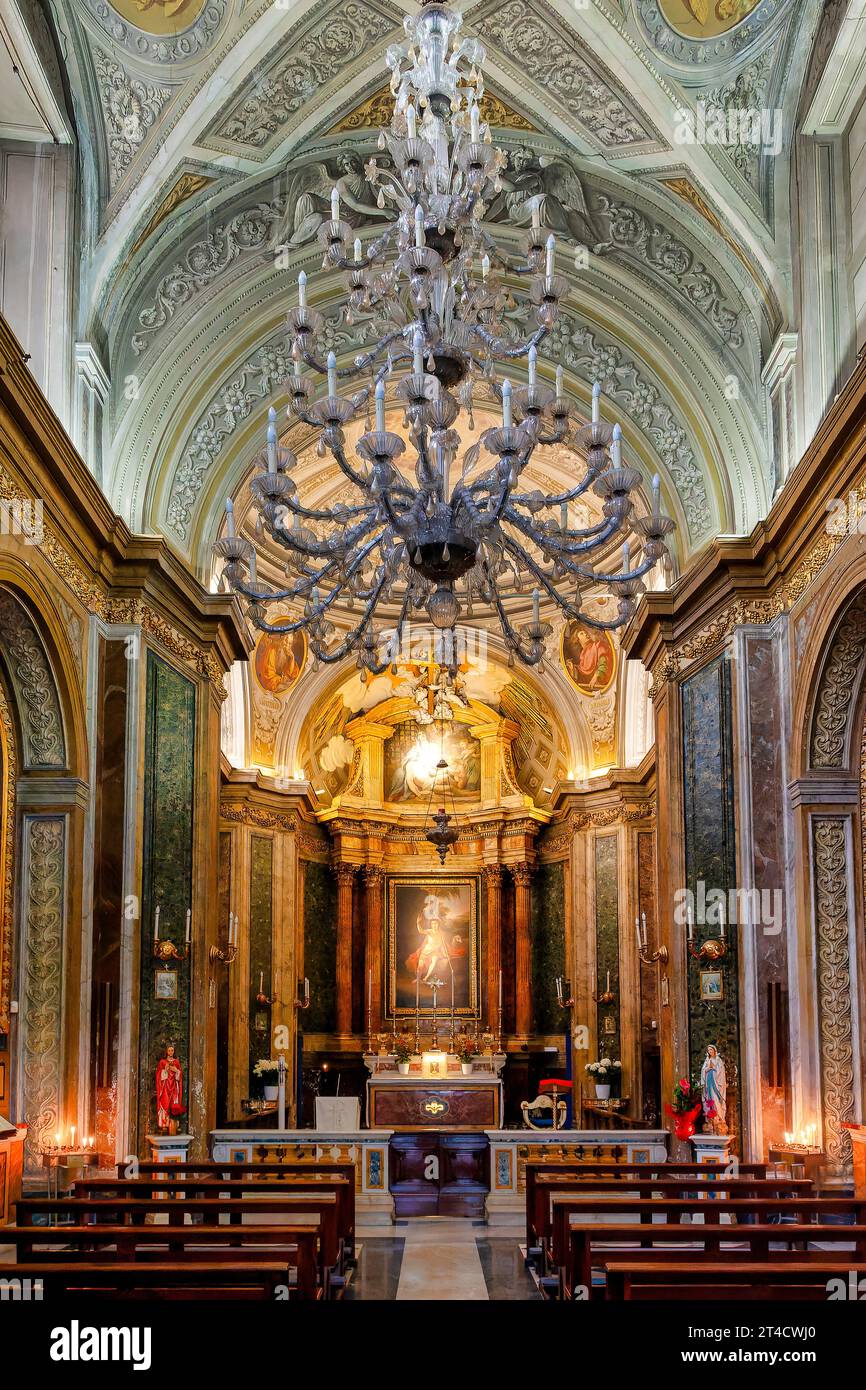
[499, 1027]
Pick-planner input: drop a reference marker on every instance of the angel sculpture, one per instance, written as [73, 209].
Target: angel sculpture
[554, 189]
[310, 202]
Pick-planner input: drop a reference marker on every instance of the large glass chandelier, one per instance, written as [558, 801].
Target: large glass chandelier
[435, 532]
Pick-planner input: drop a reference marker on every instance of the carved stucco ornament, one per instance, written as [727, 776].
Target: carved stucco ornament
[44, 841]
[838, 687]
[33, 684]
[831, 877]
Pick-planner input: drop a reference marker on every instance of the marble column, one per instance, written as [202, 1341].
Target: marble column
[522, 875]
[345, 874]
[374, 877]
[493, 882]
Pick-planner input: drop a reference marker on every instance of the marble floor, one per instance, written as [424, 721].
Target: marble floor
[434, 1258]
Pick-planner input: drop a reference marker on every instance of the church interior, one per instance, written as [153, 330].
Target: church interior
[433, 650]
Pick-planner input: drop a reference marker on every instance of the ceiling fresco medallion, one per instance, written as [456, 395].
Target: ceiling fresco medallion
[159, 16]
[588, 658]
[705, 19]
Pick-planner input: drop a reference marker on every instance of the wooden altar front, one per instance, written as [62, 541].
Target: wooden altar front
[435, 1093]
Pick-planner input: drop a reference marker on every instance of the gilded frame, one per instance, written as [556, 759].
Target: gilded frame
[440, 884]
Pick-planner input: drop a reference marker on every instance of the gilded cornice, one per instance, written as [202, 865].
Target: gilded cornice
[378, 109]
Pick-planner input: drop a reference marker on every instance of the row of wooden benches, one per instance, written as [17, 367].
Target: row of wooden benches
[688, 1231]
[198, 1230]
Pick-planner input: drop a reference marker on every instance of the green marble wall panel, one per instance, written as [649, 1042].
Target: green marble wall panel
[320, 948]
[607, 945]
[169, 766]
[261, 935]
[548, 946]
[710, 847]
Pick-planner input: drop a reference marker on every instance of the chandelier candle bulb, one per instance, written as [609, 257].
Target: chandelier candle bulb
[506, 404]
[559, 375]
[536, 606]
[551, 251]
[563, 516]
[485, 267]
[272, 440]
[626, 557]
[332, 374]
[358, 250]
[533, 364]
[536, 215]
[411, 122]
[230, 519]
[417, 355]
[253, 568]
[596, 403]
[474, 123]
[419, 228]
[657, 488]
[302, 289]
[616, 446]
[380, 405]
[335, 205]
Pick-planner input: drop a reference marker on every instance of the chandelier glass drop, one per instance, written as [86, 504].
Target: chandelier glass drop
[438, 532]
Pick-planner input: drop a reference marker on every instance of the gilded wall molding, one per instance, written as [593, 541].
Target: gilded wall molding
[830, 869]
[43, 891]
[133, 612]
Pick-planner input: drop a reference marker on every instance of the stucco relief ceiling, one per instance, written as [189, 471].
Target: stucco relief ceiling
[212, 130]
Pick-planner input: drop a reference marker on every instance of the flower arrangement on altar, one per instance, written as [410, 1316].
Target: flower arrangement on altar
[266, 1066]
[403, 1051]
[602, 1073]
[685, 1108]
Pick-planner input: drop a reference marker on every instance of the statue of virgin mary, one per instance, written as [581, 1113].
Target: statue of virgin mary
[714, 1084]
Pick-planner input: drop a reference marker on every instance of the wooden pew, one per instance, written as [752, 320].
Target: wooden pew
[548, 1184]
[341, 1186]
[590, 1246]
[667, 1210]
[619, 1171]
[778, 1281]
[296, 1246]
[131, 1211]
[118, 1280]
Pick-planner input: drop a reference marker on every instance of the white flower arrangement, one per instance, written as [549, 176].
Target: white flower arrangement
[603, 1067]
[266, 1066]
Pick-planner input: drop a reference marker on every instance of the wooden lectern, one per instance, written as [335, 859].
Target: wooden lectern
[858, 1146]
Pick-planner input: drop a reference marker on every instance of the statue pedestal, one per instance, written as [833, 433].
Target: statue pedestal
[169, 1148]
[712, 1148]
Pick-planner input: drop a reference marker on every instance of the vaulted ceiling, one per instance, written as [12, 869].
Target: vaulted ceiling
[212, 130]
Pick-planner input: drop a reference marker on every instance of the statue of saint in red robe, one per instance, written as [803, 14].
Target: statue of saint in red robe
[169, 1091]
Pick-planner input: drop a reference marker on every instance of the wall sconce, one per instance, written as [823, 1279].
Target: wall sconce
[261, 997]
[166, 950]
[648, 957]
[564, 997]
[229, 955]
[714, 948]
[607, 996]
[302, 1000]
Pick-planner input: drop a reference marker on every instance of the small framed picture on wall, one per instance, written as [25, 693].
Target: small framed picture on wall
[165, 984]
[712, 986]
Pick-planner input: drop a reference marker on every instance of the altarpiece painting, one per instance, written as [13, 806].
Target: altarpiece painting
[432, 946]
